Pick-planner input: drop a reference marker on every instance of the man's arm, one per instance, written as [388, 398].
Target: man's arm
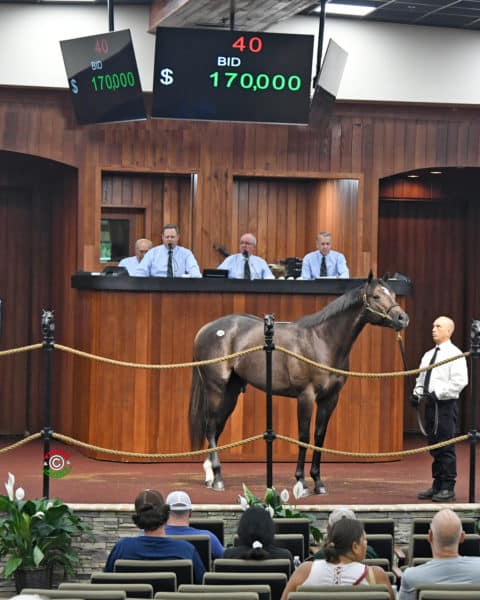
[307, 267]
[342, 267]
[192, 267]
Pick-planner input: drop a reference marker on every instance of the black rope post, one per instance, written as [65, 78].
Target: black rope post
[474, 354]
[48, 330]
[269, 435]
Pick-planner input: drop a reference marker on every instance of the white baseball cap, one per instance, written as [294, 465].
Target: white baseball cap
[340, 513]
[179, 501]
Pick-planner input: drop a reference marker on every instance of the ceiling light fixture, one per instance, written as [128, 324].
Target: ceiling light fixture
[436, 172]
[346, 10]
[413, 176]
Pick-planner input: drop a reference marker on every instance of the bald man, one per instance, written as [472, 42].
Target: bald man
[142, 246]
[441, 390]
[245, 264]
[447, 566]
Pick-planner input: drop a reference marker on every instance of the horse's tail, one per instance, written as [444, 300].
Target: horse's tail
[198, 410]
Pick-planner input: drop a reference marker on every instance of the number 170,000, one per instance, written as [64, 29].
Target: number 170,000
[261, 81]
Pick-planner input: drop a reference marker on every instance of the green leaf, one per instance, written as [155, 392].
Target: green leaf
[38, 555]
[316, 533]
[12, 565]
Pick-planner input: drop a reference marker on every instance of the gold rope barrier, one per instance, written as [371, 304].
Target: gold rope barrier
[72, 441]
[455, 440]
[121, 363]
[359, 374]
[21, 349]
[34, 436]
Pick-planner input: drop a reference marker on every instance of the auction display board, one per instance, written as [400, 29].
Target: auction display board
[232, 75]
[103, 78]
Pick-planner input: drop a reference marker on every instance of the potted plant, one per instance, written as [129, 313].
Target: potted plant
[277, 505]
[36, 535]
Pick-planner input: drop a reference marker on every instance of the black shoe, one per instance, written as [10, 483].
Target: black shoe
[427, 494]
[444, 496]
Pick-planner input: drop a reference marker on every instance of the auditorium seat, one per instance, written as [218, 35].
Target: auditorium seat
[240, 565]
[291, 541]
[161, 581]
[132, 590]
[290, 525]
[422, 525]
[216, 526]
[201, 596]
[340, 595]
[343, 588]
[182, 567]
[420, 547]
[276, 581]
[202, 544]
[263, 591]
[454, 588]
[95, 594]
[379, 525]
[432, 594]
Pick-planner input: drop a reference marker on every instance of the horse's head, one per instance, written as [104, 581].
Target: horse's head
[380, 305]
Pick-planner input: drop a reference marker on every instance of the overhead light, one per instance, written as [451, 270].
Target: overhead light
[347, 10]
[413, 176]
[436, 172]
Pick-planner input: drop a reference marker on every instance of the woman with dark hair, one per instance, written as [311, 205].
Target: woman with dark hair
[151, 514]
[256, 532]
[344, 551]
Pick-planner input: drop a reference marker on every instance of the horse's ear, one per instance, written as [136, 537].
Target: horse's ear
[370, 276]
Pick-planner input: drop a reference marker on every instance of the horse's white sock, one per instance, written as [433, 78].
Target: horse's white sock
[207, 467]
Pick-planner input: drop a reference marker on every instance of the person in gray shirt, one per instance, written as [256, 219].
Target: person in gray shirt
[447, 566]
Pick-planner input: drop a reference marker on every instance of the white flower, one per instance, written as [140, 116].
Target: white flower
[298, 490]
[39, 514]
[9, 485]
[284, 496]
[243, 502]
[270, 510]
[19, 494]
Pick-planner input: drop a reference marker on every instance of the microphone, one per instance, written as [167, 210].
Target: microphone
[245, 254]
[170, 246]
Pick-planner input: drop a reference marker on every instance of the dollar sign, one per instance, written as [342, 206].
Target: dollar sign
[74, 86]
[166, 76]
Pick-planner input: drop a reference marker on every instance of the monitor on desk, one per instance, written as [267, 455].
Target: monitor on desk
[215, 273]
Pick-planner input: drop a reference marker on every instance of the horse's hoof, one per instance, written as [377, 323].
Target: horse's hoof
[209, 484]
[218, 486]
[321, 490]
[306, 493]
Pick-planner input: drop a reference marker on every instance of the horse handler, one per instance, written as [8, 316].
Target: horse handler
[440, 388]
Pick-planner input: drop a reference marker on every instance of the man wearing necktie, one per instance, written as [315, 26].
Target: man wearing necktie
[441, 386]
[324, 262]
[169, 259]
[245, 264]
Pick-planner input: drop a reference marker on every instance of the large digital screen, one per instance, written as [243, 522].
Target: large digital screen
[232, 75]
[103, 78]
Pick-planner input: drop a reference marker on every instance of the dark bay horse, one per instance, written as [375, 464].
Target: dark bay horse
[325, 337]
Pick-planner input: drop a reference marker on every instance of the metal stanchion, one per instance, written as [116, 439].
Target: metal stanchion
[269, 435]
[48, 330]
[473, 433]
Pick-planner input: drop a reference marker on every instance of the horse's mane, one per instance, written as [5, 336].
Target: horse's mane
[339, 305]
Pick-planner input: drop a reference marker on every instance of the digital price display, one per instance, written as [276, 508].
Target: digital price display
[232, 75]
[103, 78]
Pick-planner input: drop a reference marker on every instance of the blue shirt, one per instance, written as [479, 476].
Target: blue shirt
[336, 264]
[235, 263]
[152, 547]
[155, 262]
[215, 546]
[130, 263]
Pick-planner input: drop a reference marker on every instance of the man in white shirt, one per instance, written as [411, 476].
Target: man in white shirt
[324, 262]
[142, 246]
[447, 566]
[440, 388]
[168, 259]
[245, 265]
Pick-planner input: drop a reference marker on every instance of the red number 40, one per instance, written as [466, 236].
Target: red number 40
[254, 44]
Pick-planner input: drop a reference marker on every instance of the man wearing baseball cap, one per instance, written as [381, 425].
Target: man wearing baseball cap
[179, 521]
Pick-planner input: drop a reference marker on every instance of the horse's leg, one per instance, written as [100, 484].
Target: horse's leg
[325, 407]
[216, 424]
[304, 416]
